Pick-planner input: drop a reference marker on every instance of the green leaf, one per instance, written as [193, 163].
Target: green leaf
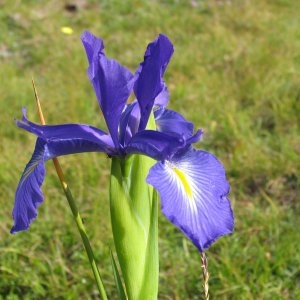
[118, 280]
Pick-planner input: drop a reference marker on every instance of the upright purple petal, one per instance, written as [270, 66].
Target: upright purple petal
[29, 195]
[171, 121]
[193, 191]
[162, 98]
[131, 116]
[150, 72]
[93, 48]
[112, 82]
[129, 122]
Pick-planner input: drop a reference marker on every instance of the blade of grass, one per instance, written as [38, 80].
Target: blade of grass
[74, 210]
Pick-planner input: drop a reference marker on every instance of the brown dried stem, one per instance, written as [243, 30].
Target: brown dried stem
[205, 275]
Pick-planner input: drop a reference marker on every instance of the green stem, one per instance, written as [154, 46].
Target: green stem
[81, 229]
[134, 225]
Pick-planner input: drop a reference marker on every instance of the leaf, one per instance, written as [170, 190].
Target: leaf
[118, 280]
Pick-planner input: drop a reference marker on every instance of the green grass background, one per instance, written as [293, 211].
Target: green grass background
[235, 73]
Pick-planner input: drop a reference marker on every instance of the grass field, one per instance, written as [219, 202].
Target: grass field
[235, 73]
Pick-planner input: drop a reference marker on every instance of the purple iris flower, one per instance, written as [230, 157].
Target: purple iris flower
[191, 183]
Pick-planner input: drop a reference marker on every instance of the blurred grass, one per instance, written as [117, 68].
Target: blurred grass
[235, 73]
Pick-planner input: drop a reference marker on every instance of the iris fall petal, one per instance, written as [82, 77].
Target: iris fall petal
[155, 144]
[193, 191]
[84, 137]
[28, 194]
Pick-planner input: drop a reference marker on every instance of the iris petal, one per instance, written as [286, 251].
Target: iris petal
[193, 191]
[112, 82]
[162, 98]
[150, 72]
[93, 47]
[29, 195]
[171, 121]
[129, 122]
[79, 137]
[55, 148]
[52, 141]
[155, 144]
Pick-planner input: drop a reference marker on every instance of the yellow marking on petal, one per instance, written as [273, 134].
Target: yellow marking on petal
[184, 182]
[66, 30]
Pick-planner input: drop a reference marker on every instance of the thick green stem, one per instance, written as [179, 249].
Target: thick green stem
[133, 210]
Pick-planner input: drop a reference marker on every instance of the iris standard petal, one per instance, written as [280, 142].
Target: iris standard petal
[193, 191]
[129, 122]
[29, 195]
[130, 118]
[171, 121]
[149, 75]
[112, 83]
[162, 98]
[155, 144]
[93, 48]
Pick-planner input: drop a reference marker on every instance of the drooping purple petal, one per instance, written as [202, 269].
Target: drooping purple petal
[29, 195]
[112, 82]
[55, 148]
[150, 72]
[78, 137]
[193, 191]
[155, 144]
[53, 141]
